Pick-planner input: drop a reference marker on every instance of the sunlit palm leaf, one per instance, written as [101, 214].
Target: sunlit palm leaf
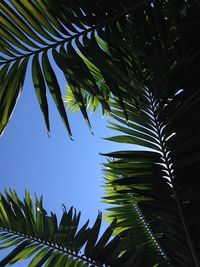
[125, 207]
[145, 43]
[91, 101]
[31, 31]
[40, 236]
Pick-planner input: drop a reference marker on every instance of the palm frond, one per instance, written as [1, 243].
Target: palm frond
[131, 44]
[149, 177]
[180, 115]
[40, 236]
[125, 207]
[34, 31]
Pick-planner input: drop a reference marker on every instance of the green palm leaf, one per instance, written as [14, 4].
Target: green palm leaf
[125, 207]
[91, 101]
[130, 44]
[40, 236]
[153, 181]
[33, 31]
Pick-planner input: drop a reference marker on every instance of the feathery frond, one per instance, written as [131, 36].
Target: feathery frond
[40, 236]
[43, 33]
[149, 177]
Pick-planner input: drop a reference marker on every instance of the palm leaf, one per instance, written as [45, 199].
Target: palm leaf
[33, 31]
[40, 236]
[125, 207]
[151, 179]
[131, 44]
[91, 101]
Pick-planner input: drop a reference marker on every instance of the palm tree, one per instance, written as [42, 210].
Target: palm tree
[139, 60]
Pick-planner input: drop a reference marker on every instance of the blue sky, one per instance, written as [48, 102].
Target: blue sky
[61, 170]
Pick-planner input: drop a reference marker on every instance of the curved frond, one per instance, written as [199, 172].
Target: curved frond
[126, 207]
[131, 44]
[47, 241]
[43, 34]
[151, 178]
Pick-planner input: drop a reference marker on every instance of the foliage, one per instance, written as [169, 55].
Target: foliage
[39, 235]
[155, 183]
[35, 31]
[149, 44]
[140, 61]
[90, 101]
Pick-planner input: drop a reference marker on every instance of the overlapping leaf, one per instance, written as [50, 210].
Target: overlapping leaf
[133, 45]
[146, 43]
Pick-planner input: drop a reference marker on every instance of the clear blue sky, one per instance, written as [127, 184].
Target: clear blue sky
[61, 170]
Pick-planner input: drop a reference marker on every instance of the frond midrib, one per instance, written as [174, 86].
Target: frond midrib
[148, 230]
[48, 244]
[75, 36]
[167, 163]
[51, 46]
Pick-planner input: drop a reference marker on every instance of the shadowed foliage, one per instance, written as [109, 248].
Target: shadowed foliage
[140, 61]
